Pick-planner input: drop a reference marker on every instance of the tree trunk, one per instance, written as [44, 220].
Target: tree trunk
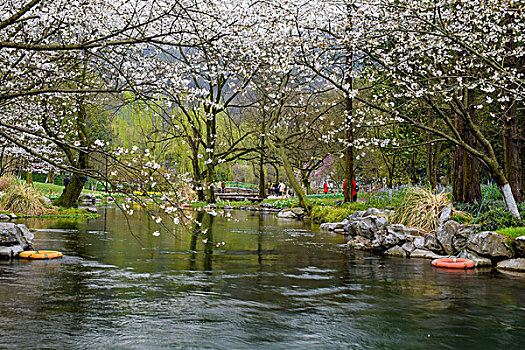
[432, 157]
[432, 162]
[29, 177]
[511, 150]
[210, 183]
[511, 127]
[262, 178]
[349, 139]
[307, 187]
[50, 177]
[521, 132]
[435, 165]
[69, 196]
[197, 178]
[466, 188]
[304, 202]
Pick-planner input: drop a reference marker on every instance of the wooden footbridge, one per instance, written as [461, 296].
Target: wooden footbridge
[235, 191]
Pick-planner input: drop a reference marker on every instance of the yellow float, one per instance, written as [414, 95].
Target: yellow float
[40, 254]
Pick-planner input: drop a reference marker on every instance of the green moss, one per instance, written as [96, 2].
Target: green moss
[324, 213]
[512, 232]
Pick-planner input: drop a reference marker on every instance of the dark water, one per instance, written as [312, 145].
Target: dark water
[274, 284]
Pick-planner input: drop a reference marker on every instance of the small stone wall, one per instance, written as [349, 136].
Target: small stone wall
[370, 230]
[14, 239]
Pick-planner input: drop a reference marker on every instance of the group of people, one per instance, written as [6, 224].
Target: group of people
[355, 189]
[276, 189]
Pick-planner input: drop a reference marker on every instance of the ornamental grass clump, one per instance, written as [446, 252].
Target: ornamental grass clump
[421, 209]
[6, 182]
[23, 199]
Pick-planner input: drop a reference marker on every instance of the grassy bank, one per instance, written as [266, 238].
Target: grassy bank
[16, 197]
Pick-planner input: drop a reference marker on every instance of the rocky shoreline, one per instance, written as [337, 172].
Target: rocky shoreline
[14, 239]
[370, 230]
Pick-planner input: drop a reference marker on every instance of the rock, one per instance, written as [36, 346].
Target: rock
[360, 243]
[408, 247]
[8, 235]
[404, 233]
[286, 214]
[89, 209]
[266, 205]
[372, 211]
[446, 236]
[14, 239]
[517, 264]
[228, 207]
[489, 244]
[298, 211]
[518, 244]
[4, 217]
[445, 214]
[424, 254]
[13, 216]
[367, 226]
[11, 251]
[86, 198]
[26, 236]
[211, 206]
[356, 215]
[397, 230]
[331, 226]
[47, 200]
[431, 243]
[396, 251]
[419, 242]
[478, 260]
[384, 241]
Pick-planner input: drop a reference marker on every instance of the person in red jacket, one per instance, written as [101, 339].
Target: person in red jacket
[355, 188]
[325, 190]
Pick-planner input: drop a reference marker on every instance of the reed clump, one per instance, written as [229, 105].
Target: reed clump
[421, 209]
[6, 182]
[24, 199]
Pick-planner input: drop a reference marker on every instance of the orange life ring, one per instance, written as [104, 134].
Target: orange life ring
[40, 254]
[453, 263]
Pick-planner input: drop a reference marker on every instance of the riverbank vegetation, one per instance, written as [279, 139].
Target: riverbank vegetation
[24, 200]
[144, 98]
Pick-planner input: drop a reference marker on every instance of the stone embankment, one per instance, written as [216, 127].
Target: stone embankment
[14, 239]
[370, 230]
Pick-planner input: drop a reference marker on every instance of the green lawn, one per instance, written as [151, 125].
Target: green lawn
[55, 190]
[46, 188]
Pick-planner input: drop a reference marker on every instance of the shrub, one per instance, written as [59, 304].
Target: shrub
[462, 217]
[497, 218]
[286, 203]
[421, 209]
[23, 199]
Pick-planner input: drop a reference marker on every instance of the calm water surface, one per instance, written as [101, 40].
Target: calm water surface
[272, 284]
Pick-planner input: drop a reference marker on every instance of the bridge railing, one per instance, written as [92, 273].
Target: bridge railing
[231, 186]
